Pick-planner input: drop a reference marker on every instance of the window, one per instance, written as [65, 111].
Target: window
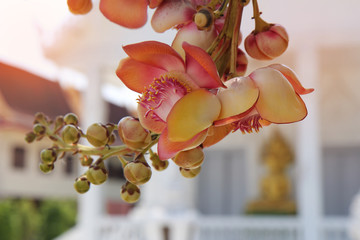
[18, 160]
[69, 165]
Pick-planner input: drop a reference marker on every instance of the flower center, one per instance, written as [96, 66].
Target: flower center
[248, 124]
[161, 95]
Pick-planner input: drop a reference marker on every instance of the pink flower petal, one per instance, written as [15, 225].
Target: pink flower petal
[127, 13]
[193, 36]
[292, 78]
[192, 114]
[171, 13]
[216, 134]
[156, 54]
[168, 149]
[201, 67]
[278, 102]
[136, 75]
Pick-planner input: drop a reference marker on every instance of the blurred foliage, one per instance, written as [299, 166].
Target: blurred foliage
[25, 220]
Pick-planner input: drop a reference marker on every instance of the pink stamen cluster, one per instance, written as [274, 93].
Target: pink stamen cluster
[159, 97]
[248, 124]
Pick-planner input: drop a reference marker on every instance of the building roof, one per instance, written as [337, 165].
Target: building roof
[28, 93]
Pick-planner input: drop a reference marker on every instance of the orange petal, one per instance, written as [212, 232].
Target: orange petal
[168, 149]
[127, 13]
[156, 54]
[201, 67]
[136, 75]
[240, 95]
[192, 114]
[278, 102]
[171, 13]
[292, 78]
[149, 121]
[79, 6]
[217, 134]
[193, 36]
[154, 3]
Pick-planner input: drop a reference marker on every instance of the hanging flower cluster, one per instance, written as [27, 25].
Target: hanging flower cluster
[191, 94]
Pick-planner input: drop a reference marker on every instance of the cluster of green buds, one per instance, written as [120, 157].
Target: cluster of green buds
[67, 137]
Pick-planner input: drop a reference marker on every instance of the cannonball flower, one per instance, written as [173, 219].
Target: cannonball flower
[127, 13]
[267, 44]
[182, 15]
[177, 99]
[268, 95]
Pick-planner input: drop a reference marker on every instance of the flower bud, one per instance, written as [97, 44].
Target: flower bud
[30, 137]
[86, 160]
[267, 44]
[79, 6]
[158, 164]
[39, 129]
[70, 134]
[97, 135]
[59, 123]
[130, 192]
[71, 119]
[97, 174]
[190, 159]
[204, 18]
[46, 168]
[82, 185]
[190, 173]
[48, 156]
[41, 118]
[137, 172]
[133, 134]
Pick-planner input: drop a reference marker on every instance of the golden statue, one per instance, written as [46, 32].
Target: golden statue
[275, 186]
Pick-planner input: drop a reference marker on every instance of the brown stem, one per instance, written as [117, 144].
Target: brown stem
[235, 38]
[260, 24]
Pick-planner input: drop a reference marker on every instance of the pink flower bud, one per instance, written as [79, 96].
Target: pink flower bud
[268, 44]
[133, 134]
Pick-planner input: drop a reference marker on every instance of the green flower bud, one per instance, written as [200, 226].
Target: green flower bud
[41, 118]
[82, 185]
[46, 168]
[97, 135]
[30, 137]
[39, 129]
[70, 134]
[96, 175]
[86, 160]
[190, 173]
[133, 134]
[130, 192]
[59, 123]
[48, 156]
[189, 159]
[71, 118]
[158, 164]
[137, 172]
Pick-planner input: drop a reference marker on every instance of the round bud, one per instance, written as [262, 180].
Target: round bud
[204, 18]
[97, 135]
[190, 173]
[40, 118]
[48, 156]
[96, 175]
[70, 134]
[86, 160]
[30, 137]
[137, 172]
[39, 129]
[189, 159]
[158, 164]
[82, 185]
[130, 192]
[59, 123]
[71, 118]
[46, 168]
[133, 134]
[79, 6]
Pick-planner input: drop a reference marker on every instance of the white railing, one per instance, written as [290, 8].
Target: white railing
[216, 228]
